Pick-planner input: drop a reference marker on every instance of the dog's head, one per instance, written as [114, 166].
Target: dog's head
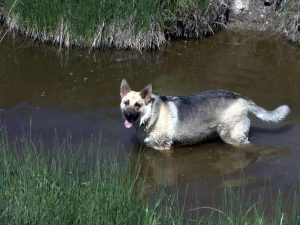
[134, 105]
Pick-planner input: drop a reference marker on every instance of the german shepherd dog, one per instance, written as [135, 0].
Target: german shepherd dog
[165, 121]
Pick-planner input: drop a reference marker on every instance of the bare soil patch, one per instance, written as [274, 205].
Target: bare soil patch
[255, 15]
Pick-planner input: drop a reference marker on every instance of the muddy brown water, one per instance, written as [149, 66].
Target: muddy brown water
[49, 92]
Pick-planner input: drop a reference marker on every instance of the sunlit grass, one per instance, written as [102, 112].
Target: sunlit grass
[68, 184]
[136, 24]
[71, 186]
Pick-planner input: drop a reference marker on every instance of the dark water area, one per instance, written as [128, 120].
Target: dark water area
[49, 92]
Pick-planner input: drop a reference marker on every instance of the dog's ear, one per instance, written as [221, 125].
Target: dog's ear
[124, 89]
[146, 92]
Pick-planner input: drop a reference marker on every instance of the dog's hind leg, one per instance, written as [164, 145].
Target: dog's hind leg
[239, 133]
[235, 134]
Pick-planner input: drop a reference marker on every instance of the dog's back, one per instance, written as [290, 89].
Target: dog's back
[221, 112]
[198, 116]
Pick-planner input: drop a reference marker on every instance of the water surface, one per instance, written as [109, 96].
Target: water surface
[48, 92]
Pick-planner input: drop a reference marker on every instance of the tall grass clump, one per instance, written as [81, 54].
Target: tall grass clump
[69, 186]
[1, 13]
[238, 207]
[135, 24]
[290, 20]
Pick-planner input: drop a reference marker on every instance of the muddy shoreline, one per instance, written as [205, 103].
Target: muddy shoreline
[267, 15]
[254, 15]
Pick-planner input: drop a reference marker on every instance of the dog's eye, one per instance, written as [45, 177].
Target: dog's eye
[126, 102]
[138, 105]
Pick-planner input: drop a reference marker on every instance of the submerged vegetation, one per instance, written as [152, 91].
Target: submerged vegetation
[137, 24]
[71, 185]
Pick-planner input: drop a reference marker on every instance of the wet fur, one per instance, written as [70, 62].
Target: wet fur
[166, 121]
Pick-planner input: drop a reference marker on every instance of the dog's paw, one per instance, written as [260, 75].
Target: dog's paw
[162, 148]
[147, 141]
[157, 146]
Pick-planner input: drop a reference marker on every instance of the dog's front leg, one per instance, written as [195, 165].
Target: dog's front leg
[152, 143]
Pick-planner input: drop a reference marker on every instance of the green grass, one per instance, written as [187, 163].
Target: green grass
[239, 208]
[137, 24]
[65, 189]
[69, 187]
[69, 184]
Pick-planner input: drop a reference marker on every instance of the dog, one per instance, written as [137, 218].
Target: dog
[162, 122]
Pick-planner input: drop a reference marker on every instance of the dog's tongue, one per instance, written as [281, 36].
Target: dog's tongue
[127, 124]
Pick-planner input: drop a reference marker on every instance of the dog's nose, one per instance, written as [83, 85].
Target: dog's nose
[129, 116]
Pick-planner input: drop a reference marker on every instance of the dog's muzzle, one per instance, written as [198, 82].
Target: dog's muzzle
[131, 116]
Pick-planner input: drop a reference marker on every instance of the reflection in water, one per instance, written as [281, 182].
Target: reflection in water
[202, 162]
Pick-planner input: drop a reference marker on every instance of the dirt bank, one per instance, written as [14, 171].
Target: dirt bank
[255, 15]
[272, 15]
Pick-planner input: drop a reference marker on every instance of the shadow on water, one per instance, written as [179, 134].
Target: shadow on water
[52, 92]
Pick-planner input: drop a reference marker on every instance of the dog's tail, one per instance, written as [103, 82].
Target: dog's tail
[276, 115]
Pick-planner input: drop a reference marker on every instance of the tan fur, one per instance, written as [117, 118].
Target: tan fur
[162, 124]
[235, 123]
[235, 112]
[133, 97]
[162, 127]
